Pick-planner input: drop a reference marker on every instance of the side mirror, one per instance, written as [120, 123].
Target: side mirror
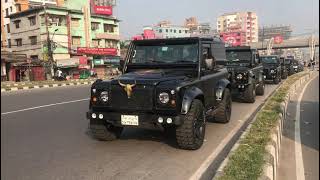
[209, 64]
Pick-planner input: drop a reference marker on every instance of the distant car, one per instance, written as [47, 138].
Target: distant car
[297, 66]
[271, 68]
[284, 70]
[289, 65]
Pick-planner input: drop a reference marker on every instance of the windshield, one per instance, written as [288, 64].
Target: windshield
[236, 56]
[269, 60]
[287, 61]
[182, 53]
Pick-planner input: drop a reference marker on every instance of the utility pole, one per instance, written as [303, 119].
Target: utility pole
[50, 54]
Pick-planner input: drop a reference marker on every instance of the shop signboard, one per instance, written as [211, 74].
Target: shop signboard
[72, 62]
[103, 7]
[97, 51]
[278, 39]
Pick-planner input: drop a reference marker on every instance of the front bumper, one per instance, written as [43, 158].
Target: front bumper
[145, 120]
[270, 76]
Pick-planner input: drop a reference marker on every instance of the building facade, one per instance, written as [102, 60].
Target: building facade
[245, 23]
[79, 39]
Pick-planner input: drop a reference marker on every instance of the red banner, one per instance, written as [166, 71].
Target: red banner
[97, 51]
[105, 10]
[278, 39]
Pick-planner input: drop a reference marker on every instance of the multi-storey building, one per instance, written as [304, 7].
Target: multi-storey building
[78, 36]
[245, 23]
[165, 29]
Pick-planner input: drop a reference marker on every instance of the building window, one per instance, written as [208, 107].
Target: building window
[10, 8]
[19, 42]
[167, 30]
[160, 30]
[180, 31]
[170, 30]
[186, 31]
[94, 26]
[95, 42]
[108, 28]
[54, 20]
[75, 22]
[17, 23]
[18, 7]
[33, 40]
[111, 43]
[8, 28]
[34, 57]
[32, 20]
[76, 40]
[175, 31]
[5, 0]
[9, 43]
[7, 12]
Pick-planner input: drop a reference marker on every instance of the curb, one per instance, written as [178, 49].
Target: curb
[273, 147]
[46, 86]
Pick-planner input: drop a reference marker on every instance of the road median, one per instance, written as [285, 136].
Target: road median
[256, 154]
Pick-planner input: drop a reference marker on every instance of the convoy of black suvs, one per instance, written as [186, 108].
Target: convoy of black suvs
[180, 84]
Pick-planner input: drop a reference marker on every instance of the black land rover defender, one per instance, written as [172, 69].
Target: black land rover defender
[166, 84]
[245, 73]
[284, 70]
[271, 68]
[289, 65]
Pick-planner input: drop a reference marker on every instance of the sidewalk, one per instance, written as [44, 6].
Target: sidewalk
[15, 86]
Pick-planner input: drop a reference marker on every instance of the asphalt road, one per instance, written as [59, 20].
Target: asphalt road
[309, 130]
[290, 151]
[52, 142]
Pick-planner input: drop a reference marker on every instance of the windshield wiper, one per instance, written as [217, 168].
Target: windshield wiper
[184, 61]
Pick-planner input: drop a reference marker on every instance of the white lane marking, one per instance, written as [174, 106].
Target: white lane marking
[43, 106]
[197, 175]
[297, 135]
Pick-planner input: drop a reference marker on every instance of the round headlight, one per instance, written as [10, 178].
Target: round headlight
[104, 96]
[239, 76]
[272, 71]
[164, 98]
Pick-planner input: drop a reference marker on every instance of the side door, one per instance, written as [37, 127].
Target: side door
[258, 69]
[207, 75]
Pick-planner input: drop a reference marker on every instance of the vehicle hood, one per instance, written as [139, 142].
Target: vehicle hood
[153, 77]
[270, 66]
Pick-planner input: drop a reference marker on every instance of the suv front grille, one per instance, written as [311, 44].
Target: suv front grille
[141, 98]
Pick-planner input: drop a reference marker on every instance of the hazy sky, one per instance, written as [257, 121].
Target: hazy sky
[303, 15]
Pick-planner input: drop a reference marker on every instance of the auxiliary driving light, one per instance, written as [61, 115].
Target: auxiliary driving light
[93, 115]
[169, 120]
[100, 116]
[160, 120]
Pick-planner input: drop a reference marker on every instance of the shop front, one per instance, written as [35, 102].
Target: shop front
[106, 66]
[69, 67]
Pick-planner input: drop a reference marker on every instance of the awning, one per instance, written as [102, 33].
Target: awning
[66, 63]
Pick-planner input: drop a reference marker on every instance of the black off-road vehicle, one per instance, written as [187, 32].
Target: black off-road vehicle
[297, 66]
[271, 68]
[166, 84]
[245, 73]
[284, 70]
[289, 65]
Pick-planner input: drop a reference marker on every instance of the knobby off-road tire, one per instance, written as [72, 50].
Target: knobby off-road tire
[250, 94]
[104, 131]
[223, 112]
[190, 135]
[260, 89]
[284, 76]
[277, 80]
